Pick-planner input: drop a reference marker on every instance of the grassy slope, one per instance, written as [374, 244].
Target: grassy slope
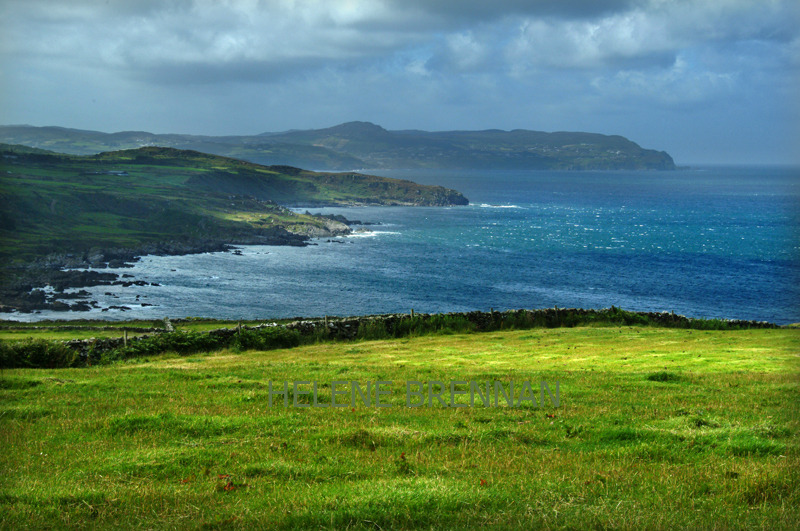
[189, 441]
[59, 203]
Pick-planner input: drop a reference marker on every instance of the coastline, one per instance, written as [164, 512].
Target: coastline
[23, 290]
[23, 286]
[700, 260]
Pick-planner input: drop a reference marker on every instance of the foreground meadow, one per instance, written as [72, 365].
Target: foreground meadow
[655, 428]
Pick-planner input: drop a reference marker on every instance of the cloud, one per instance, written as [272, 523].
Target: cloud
[253, 40]
[656, 31]
[473, 11]
[549, 64]
[682, 85]
[195, 35]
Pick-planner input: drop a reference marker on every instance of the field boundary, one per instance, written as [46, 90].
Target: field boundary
[270, 335]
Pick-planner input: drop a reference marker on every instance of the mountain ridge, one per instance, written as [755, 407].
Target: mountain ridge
[360, 144]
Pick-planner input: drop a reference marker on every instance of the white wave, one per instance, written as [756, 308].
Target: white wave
[371, 234]
[487, 205]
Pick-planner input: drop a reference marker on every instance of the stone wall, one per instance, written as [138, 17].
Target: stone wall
[347, 328]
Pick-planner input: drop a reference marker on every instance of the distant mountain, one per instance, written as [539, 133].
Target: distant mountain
[257, 149]
[366, 145]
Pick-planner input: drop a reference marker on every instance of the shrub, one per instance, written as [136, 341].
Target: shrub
[518, 320]
[37, 353]
[373, 329]
[664, 376]
[265, 339]
[445, 324]
[6, 355]
[180, 342]
[620, 316]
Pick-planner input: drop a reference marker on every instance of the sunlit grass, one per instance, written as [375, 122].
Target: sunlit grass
[657, 428]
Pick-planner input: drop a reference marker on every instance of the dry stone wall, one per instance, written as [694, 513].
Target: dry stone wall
[348, 328]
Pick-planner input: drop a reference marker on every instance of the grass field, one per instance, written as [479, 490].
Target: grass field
[657, 428]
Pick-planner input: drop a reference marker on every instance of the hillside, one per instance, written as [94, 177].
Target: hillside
[366, 145]
[56, 202]
[61, 210]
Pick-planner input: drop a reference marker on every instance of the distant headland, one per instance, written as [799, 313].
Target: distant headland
[366, 145]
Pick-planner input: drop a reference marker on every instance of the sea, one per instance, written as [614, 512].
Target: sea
[705, 242]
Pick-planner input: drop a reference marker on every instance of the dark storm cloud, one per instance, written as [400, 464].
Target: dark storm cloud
[609, 65]
[481, 10]
[262, 40]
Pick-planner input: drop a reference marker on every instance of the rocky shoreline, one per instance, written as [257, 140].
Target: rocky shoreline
[23, 288]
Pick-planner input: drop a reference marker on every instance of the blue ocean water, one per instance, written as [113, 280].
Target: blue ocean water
[707, 242]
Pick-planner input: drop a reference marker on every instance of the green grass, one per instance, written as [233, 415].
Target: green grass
[657, 428]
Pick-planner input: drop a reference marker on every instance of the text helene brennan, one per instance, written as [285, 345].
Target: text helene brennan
[377, 394]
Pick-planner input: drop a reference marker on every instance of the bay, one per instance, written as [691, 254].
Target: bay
[716, 242]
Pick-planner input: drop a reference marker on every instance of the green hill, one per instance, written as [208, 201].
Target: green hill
[63, 203]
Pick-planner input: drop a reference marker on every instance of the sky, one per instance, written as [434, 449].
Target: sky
[708, 81]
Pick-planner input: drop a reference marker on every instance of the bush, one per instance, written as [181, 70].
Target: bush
[446, 324]
[6, 355]
[373, 329]
[180, 342]
[37, 353]
[518, 320]
[664, 376]
[623, 317]
[710, 324]
[265, 339]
